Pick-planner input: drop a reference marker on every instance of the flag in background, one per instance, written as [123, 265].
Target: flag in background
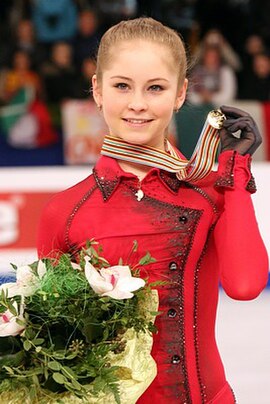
[26, 121]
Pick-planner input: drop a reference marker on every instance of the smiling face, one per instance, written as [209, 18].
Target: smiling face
[139, 91]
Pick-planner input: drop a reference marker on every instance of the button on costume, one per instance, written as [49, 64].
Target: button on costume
[199, 233]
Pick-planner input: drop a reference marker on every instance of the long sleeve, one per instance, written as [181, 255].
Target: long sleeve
[242, 255]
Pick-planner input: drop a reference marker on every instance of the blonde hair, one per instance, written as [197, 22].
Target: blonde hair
[144, 28]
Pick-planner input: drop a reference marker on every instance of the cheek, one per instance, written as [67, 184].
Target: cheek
[164, 102]
[112, 109]
[164, 108]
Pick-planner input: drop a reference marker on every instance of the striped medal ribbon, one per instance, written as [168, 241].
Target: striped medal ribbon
[199, 165]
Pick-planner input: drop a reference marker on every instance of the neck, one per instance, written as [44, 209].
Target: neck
[139, 170]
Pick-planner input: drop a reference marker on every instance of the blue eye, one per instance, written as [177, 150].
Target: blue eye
[121, 86]
[156, 87]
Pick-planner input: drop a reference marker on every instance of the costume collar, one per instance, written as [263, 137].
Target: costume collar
[108, 175]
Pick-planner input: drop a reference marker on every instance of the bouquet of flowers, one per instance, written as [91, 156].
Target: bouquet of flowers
[77, 331]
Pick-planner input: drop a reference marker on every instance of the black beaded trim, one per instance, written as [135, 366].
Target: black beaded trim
[195, 319]
[181, 314]
[251, 185]
[72, 248]
[107, 186]
[171, 180]
[226, 179]
[177, 277]
[204, 195]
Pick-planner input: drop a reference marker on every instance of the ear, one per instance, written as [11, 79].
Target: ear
[96, 91]
[181, 95]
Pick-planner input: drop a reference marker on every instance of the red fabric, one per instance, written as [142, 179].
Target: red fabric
[224, 396]
[198, 234]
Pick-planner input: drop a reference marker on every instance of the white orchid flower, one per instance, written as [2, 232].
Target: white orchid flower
[76, 266]
[27, 281]
[41, 269]
[8, 322]
[116, 282]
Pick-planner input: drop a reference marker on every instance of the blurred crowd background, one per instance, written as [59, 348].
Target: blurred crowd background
[47, 59]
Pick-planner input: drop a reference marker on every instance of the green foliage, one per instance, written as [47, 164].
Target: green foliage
[70, 331]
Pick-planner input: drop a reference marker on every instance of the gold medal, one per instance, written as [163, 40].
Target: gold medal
[216, 118]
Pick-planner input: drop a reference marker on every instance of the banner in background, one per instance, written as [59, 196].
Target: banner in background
[83, 131]
[24, 192]
[19, 217]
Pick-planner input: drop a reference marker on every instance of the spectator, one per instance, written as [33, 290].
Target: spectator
[256, 85]
[59, 73]
[25, 41]
[87, 39]
[253, 45]
[214, 37]
[20, 75]
[54, 20]
[83, 84]
[212, 80]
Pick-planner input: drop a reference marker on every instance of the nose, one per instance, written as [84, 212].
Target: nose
[137, 102]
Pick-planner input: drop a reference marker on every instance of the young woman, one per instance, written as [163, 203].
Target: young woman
[199, 231]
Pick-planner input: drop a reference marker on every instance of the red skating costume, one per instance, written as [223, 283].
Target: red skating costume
[200, 234]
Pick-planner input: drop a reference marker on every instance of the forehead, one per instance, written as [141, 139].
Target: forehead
[140, 56]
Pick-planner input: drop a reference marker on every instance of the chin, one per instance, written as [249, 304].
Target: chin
[135, 139]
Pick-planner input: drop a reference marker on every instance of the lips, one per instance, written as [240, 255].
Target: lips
[137, 121]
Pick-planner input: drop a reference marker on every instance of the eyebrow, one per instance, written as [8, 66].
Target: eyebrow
[129, 79]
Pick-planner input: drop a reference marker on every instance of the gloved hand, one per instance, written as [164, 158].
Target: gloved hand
[250, 138]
